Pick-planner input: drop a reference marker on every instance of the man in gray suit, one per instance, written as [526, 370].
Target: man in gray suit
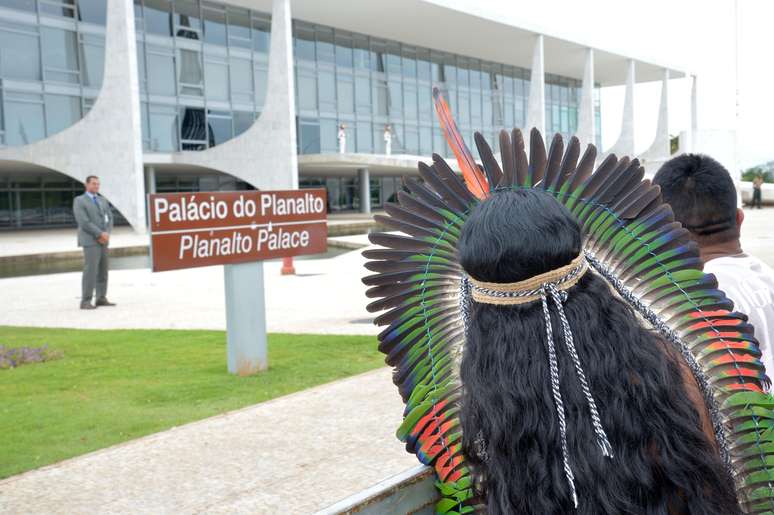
[95, 223]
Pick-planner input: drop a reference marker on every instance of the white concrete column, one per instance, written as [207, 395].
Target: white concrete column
[107, 141]
[625, 144]
[364, 178]
[536, 108]
[150, 179]
[659, 149]
[694, 104]
[586, 132]
[264, 155]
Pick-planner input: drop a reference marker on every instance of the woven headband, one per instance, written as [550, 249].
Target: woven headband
[554, 284]
[531, 289]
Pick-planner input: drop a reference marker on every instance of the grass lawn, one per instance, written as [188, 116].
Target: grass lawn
[113, 386]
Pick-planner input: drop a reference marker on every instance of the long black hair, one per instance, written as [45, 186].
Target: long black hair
[663, 463]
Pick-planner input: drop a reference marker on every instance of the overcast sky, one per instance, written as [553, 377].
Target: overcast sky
[698, 35]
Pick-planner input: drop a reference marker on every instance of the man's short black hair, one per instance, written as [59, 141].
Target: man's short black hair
[702, 196]
[89, 178]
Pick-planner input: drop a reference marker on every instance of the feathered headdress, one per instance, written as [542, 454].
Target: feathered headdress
[632, 241]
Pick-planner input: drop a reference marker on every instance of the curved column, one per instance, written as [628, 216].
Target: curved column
[586, 132]
[625, 144]
[659, 149]
[265, 154]
[107, 141]
[536, 109]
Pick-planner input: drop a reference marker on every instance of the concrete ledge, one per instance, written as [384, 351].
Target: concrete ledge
[412, 491]
[45, 257]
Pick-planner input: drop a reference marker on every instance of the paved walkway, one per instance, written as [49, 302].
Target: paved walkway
[289, 455]
[326, 297]
[48, 241]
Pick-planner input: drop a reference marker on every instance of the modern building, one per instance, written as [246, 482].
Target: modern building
[190, 95]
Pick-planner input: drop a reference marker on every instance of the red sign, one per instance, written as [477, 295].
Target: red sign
[215, 228]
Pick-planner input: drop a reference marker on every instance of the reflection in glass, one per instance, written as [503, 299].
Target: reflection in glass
[216, 78]
[214, 25]
[19, 55]
[163, 128]
[193, 129]
[161, 73]
[239, 27]
[309, 137]
[92, 11]
[261, 35]
[93, 60]
[242, 121]
[241, 80]
[220, 126]
[158, 17]
[24, 121]
[191, 75]
[60, 54]
[188, 24]
[23, 5]
[307, 92]
[61, 112]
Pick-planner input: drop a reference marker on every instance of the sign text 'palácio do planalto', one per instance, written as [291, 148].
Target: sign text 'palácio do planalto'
[215, 228]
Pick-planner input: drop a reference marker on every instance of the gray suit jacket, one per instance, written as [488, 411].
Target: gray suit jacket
[93, 219]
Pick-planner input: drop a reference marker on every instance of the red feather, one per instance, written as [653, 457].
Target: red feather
[474, 178]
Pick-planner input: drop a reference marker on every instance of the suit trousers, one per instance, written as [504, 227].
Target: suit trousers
[95, 271]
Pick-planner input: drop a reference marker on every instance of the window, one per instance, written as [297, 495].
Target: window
[362, 95]
[20, 53]
[188, 23]
[324, 45]
[190, 73]
[220, 126]
[158, 17]
[329, 136]
[364, 144]
[380, 98]
[239, 32]
[92, 11]
[346, 94]
[242, 122]
[61, 112]
[307, 92]
[309, 137]
[261, 35]
[216, 78]
[214, 24]
[93, 60]
[161, 71]
[304, 43]
[142, 77]
[395, 97]
[22, 5]
[261, 78]
[163, 128]
[327, 91]
[343, 51]
[193, 129]
[241, 80]
[60, 55]
[63, 8]
[24, 122]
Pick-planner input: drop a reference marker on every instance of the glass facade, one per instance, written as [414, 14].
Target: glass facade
[203, 70]
[51, 60]
[203, 73]
[367, 83]
[39, 199]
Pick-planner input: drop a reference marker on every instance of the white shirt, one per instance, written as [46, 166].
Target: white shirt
[749, 282]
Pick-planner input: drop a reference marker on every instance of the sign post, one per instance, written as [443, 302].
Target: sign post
[239, 230]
